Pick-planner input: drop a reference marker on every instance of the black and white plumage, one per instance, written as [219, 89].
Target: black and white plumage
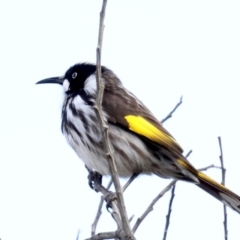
[140, 143]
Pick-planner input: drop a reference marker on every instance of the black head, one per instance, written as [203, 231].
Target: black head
[75, 77]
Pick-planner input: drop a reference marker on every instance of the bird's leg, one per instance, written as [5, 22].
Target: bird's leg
[95, 182]
[129, 181]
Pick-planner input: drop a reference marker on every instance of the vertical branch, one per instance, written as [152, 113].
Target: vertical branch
[170, 204]
[78, 234]
[104, 128]
[169, 212]
[223, 183]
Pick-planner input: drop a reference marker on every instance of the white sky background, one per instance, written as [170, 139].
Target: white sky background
[160, 50]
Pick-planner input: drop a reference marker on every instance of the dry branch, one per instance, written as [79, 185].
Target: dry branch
[104, 128]
[171, 113]
[131, 218]
[166, 189]
[105, 235]
[208, 167]
[99, 212]
[170, 205]
[150, 207]
[115, 211]
[188, 154]
[78, 234]
[169, 212]
[223, 183]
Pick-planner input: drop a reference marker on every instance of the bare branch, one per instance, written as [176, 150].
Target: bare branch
[173, 189]
[104, 128]
[115, 211]
[171, 113]
[221, 161]
[223, 183]
[105, 235]
[150, 208]
[170, 205]
[169, 212]
[130, 219]
[208, 167]
[78, 234]
[99, 212]
[188, 154]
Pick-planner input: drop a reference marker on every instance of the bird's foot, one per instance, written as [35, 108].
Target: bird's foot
[94, 180]
[109, 197]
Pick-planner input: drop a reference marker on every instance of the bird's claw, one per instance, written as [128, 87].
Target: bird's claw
[111, 196]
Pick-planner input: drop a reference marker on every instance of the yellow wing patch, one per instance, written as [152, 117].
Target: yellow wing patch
[141, 126]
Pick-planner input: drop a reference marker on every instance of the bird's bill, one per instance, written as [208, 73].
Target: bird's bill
[57, 80]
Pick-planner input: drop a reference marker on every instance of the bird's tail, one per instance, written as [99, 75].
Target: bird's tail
[219, 191]
[214, 188]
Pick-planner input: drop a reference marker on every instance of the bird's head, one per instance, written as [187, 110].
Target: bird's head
[80, 76]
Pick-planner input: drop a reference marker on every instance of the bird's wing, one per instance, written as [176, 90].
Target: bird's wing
[126, 111]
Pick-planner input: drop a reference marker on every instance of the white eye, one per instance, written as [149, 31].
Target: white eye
[74, 75]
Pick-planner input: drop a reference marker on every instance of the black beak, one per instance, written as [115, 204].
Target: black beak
[58, 80]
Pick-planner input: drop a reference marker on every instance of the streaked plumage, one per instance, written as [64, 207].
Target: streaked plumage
[140, 143]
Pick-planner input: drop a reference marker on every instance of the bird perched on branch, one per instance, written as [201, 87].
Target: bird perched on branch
[139, 141]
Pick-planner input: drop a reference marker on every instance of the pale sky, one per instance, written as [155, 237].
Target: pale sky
[161, 50]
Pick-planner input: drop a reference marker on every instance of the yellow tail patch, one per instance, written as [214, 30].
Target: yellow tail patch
[199, 174]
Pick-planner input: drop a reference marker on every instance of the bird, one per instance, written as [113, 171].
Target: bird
[139, 141]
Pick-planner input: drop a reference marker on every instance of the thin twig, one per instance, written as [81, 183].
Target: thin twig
[150, 207]
[99, 212]
[105, 235]
[131, 218]
[208, 167]
[170, 205]
[173, 194]
[223, 183]
[104, 128]
[221, 161]
[188, 154]
[78, 234]
[171, 113]
[169, 213]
